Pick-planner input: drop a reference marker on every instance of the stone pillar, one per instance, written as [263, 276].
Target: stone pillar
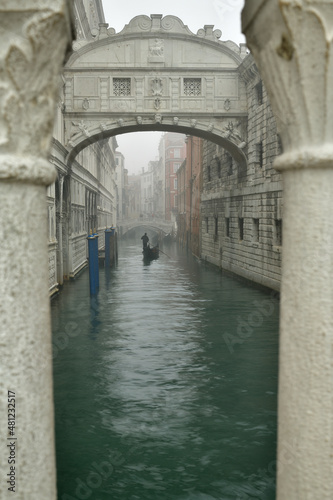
[291, 41]
[34, 36]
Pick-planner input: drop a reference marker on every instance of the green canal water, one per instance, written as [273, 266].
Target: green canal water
[165, 384]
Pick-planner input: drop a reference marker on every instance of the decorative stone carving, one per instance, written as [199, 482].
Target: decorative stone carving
[139, 120]
[103, 31]
[231, 132]
[157, 86]
[207, 32]
[82, 126]
[227, 104]
[121, 105]
[85, 104]
[26, 109]
[157, 103]
[169, 24]
[120, 122]
[158, 118]
[193, 123]
[175, 120]
[285, 62]
[156, 50]
[144, 23]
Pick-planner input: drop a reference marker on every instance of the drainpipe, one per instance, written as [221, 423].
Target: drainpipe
[191, 185]
[60, 243]
[298, 75]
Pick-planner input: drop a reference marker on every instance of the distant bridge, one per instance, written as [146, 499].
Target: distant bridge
[158, 225]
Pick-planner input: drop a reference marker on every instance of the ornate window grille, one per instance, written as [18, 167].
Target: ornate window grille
[121, 87]
[192, 86]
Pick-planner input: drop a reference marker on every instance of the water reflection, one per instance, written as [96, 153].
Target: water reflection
[151, 386]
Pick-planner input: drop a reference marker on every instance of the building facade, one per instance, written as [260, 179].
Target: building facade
[159, 182]
[242, 209]
[189, 177]
[147, 190]
[84, 197]
[134, 196]
[121, 187]
[174, 151]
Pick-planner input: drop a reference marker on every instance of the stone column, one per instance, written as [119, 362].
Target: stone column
[291, 41]
[34, 36]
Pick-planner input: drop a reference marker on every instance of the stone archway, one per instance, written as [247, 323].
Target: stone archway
[156, 75]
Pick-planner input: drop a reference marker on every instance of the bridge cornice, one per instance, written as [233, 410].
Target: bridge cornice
[168, 27]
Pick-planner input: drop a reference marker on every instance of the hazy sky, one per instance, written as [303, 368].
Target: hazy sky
[140, 148]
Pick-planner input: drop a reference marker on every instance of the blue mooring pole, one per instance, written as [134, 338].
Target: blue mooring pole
[93, 263]
[108, 233]
[96, 261]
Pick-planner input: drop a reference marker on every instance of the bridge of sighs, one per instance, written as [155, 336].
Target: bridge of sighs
[156, 75]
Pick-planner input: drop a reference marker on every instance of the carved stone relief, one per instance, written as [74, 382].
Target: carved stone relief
[80, 126]
[227, 104]
[157, 103]
[156, 50]
[30, 81]
[85, 104]
[157, 86]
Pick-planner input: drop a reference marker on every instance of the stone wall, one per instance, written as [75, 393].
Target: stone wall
[241, 208]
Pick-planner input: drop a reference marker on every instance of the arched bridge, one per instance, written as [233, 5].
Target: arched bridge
[158, 225]
[156, 75]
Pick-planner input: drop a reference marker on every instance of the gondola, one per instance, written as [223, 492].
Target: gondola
[151, 253]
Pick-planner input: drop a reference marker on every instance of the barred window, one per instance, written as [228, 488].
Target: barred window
[278, 232]
[259, 154]
[259, 93]
[227, 227]
[121, 86]
[255, 230]
[192, 86]
[241, 228]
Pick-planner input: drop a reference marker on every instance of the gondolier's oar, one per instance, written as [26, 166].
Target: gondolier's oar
[165, 253]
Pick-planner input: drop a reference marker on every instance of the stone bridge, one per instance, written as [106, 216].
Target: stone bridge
[158, 225]
[156, 75]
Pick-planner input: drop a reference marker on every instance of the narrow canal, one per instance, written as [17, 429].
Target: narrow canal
[165, 384]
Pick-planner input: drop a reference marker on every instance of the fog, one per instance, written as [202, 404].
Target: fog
[140, 148]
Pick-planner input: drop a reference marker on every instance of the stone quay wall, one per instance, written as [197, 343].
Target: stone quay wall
[242, 208]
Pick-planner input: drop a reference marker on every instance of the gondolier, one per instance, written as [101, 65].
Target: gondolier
[145, 240]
